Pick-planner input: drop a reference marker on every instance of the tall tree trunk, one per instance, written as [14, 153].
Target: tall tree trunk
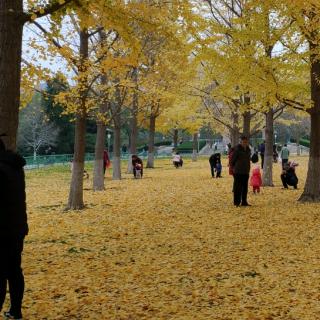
[195, 147]
[298, 145]
[133, 140]
[152, 130]
[311, 190]
[11, 29]
[246, 124]
[234, 131]
[134, 124]
[268, 154]
[116, 163]
[75, 201]
[175, 137]
[98, 170]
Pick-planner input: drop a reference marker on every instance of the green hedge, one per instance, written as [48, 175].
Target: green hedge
[305, 142]
[187, 147]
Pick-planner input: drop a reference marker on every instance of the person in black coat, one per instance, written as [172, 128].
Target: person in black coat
[241, 168]
[288, 176]
[137, 164]
[13, 229]
[215, 164]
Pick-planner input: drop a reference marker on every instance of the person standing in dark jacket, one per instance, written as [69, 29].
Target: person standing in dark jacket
[241, 168]
[13, 229]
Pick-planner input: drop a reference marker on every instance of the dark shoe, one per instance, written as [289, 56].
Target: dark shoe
[245, 205]
[8, 315]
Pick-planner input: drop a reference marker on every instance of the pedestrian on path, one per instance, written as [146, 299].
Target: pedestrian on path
[13, 229]
[241, 168]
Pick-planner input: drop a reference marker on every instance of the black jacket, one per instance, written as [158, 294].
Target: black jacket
[13, 213]
[241, 160]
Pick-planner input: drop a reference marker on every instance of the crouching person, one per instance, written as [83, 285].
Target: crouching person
[13, 229]
[288, 176]
[137, 165]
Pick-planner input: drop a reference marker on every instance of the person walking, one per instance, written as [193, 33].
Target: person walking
[284, 155]
[13, 229]
[241, 168]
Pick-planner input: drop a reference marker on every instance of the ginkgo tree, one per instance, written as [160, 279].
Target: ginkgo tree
[14, 14]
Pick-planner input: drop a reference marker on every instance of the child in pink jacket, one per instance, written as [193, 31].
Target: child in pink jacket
[256, 180]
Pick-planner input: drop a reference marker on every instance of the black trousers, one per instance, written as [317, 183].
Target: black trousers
[286, 182]
[240, 189]
[10, 271]
[284, 162]
[135, 172]
[212, 169]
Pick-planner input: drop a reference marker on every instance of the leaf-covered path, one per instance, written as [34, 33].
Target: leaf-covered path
[171, 246]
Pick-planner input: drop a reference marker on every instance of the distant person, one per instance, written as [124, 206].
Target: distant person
[256, 179]
[13, 229]
[262, 149]
[137, 165]
[288, 176]
[284, 155]
[177, 160]
[106, 161]
[215, 165]
[124, 148]
[215, 146]
[241, 168]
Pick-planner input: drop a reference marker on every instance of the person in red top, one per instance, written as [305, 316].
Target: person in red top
[106, 161]
[256, 179]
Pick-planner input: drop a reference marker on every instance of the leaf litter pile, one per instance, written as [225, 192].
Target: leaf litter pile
[170, 246]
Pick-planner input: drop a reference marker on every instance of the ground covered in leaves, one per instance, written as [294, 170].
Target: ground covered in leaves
[170, 246]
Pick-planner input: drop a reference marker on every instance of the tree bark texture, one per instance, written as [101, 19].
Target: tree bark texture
[246, 117]
[175, 137]
[311, 190]
[133, 130]
[235, 131]
[75, 201]
[98, 170]
[152, 130]
[116, 163]
[195, 147]
[268, 154]
[11, 29]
